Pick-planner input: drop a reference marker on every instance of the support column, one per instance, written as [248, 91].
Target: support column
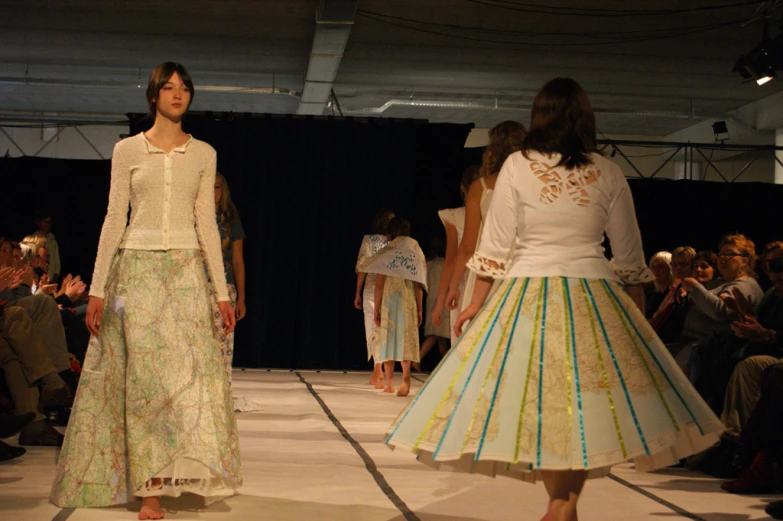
[779, 156]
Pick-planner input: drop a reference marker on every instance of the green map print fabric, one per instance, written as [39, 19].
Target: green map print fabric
[153, 398]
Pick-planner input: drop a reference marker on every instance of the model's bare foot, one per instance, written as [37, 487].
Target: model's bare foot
[405, 388]
[150, 508]
[416, 366]
[379, 383]
[388, 389]
[373, 379]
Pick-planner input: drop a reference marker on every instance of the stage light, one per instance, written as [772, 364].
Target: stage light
[765, 79]
[761, 63]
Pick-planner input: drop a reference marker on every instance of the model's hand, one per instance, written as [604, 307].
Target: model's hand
[377, 318]
[94, 315]
[241, 310]
[467, 314]
[452, 299]
[357, 301]
[436, 314]
[229, 320]
[420, 316]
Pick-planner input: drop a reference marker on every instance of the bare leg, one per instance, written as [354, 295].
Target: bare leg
[378, 370]
[426, 347]
[150, 506]
[405, 388]
[376, 374]
[563, 488]
[388, 367]
[443, 346]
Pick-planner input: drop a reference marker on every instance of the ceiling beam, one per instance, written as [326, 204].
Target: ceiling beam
[333, 22]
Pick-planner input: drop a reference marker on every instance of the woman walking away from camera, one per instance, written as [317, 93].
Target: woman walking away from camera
[559, 376]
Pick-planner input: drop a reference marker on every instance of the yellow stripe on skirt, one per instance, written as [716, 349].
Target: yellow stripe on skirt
[556, 374]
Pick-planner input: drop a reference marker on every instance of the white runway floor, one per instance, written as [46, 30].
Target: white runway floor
[298, 465]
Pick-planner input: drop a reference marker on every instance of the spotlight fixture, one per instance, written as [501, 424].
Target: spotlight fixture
[761, 63]
[720, 130]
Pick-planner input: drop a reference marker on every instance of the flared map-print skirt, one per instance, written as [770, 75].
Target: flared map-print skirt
[153, 399]
[556, 374]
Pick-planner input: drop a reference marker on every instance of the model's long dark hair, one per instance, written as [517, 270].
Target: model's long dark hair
[562, 122]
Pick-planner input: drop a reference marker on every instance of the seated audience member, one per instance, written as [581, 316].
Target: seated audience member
[41, 308]
[711, 314]
[762, 332]
[10, 425]
[43, 237]
[763, 438]
[661, 266]
[667, 320]
[705, 269]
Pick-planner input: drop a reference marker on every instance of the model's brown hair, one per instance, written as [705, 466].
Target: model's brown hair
[504, 139]
[563, 122]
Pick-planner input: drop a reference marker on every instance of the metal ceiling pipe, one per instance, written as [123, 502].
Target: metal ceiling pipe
[334, 20]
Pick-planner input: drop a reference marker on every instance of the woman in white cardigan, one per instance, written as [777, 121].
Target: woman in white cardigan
[153, 414]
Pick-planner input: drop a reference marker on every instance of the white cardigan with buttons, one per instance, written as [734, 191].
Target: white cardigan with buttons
[172, 201]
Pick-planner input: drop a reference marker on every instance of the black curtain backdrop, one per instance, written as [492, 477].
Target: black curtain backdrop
[307, 190]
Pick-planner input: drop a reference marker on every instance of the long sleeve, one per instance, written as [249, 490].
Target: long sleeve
[625, 237]
[710, 303]
[207, 231]
[500, 230]
[115, 222]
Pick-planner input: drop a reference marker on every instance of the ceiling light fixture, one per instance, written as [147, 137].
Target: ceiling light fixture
[761, 63]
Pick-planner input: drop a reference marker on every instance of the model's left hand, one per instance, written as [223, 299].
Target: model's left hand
[467, 314]
[421, 316]
[241, 310]
[229, 321]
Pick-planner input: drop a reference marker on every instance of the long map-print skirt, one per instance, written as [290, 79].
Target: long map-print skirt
[153, 400]
[556, 374]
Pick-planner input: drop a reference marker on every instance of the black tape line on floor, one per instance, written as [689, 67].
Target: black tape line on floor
[63, 514]
[417, 378]
[372, 468]
[659, 500]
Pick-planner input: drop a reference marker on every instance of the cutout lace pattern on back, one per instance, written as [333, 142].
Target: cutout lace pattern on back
[575, 183]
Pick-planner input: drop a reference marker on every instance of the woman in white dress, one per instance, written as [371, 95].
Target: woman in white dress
[504, 139]
[435, 335]
[558, 376]
[454, 222]
[365, 285]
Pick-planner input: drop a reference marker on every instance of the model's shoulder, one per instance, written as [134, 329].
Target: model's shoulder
[130, 143]
[202, 147]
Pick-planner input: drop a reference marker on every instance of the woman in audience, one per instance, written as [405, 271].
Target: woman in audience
[705, 269]
[668, 318]
[661, 267]
[711, 314]
[762, 330]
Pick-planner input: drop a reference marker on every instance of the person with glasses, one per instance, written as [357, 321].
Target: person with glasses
[712, 313]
